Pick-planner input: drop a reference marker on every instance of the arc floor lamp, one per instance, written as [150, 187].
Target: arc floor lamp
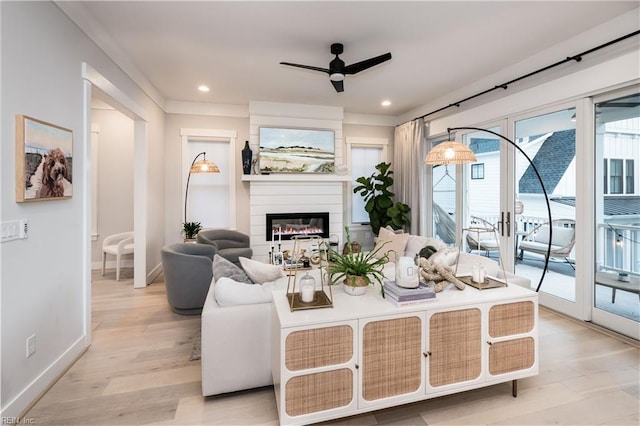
[202, 166]
[452, 152]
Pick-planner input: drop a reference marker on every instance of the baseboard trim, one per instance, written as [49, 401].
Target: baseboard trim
[111, 264]
[154, 273]
[603, 330]
[31, 394]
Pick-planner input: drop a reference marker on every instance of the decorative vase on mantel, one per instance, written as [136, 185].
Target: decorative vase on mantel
[247, 154]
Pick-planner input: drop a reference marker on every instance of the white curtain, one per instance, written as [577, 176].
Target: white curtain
[408, 143]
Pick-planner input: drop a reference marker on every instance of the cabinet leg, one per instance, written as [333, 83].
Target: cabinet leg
[514, 388]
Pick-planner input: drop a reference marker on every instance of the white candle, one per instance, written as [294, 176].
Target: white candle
[279, 234]
[476, 273]
[307, 294]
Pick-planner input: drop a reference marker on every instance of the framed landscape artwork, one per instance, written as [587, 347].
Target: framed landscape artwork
[296, 150]
[44, 159]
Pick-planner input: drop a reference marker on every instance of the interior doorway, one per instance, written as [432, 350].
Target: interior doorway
[94, 82]
[111, 181]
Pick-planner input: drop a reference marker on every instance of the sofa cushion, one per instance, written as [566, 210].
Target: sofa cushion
[446, 256]
[467, 260]
[415, 243]
[229, 292]
[395, 244]
[224, 268]
[260, 272]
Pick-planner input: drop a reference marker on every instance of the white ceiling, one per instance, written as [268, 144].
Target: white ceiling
[235, 47]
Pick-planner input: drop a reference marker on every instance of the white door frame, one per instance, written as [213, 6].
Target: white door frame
[127, 106]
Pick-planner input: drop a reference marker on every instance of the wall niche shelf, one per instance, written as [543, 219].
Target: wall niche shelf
[296, 177]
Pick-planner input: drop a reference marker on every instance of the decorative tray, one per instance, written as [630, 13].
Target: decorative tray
[320, 300]
[488, 282]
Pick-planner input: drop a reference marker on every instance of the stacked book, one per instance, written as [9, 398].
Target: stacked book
[401, 296]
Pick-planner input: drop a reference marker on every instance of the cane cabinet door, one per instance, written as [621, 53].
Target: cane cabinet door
[512, 338]
[454, 349]
[391, 359]
[318, 371]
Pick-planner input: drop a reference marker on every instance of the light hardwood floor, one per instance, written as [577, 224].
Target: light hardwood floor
[137, 371]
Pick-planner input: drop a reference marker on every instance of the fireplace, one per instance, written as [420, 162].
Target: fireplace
[283, 226]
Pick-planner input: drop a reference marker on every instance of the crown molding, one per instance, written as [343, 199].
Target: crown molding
[209, 109]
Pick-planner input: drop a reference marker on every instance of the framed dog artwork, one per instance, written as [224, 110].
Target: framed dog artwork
[44, 160]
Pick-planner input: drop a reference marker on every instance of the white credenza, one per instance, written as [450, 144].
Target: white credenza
[365, 354]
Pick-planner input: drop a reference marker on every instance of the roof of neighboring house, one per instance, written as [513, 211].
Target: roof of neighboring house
[551, 160]
[613, 205]
[482, 145]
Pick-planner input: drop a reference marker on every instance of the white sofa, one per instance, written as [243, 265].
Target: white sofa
[236, 340]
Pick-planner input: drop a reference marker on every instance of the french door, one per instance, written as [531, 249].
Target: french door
[616, 212]
[501, 192]
[549, 138]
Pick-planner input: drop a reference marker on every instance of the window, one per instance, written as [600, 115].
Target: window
[606, 176]
[615, 176]
[477, 171]
[629, 178]
[365, 154]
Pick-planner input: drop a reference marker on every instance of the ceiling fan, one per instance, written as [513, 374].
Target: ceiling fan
[337, 69]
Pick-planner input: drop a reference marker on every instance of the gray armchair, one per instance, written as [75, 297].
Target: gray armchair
[187, 275]
[230, 244]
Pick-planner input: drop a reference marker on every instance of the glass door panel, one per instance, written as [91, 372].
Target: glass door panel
[482, 195]
[443, 194]
[617, 214]
[550, 141]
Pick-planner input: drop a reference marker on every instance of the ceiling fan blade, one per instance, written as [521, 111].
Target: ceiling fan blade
[367, 63]
[308, 67]
[338, 85]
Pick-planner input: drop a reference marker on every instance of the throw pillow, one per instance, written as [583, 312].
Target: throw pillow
[446, 256]
[417, 243]
[260, 272]
[223, 268]
[395, 244]
[395, 231]
[230, 293]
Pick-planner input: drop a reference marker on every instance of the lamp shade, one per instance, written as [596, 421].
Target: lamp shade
[204, 166]
[450, 152]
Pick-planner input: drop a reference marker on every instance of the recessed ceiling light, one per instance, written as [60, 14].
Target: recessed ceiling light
[203, 88]
[386, 103]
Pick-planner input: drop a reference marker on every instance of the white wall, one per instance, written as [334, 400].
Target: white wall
[44, 279]
[115, 178]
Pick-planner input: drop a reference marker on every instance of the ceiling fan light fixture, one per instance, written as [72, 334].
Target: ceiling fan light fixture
[337, 68]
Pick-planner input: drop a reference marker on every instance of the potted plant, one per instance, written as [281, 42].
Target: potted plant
[190, 230]
[379, 200]
[357, 269]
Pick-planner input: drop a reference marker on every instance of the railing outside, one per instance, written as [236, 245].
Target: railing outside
[620, 248]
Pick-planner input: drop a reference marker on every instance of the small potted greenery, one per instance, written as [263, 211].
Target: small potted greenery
[190, 230]
[357, 269]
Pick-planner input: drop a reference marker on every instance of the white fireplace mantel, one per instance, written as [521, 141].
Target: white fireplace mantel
[293, 193]
[296, 177]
